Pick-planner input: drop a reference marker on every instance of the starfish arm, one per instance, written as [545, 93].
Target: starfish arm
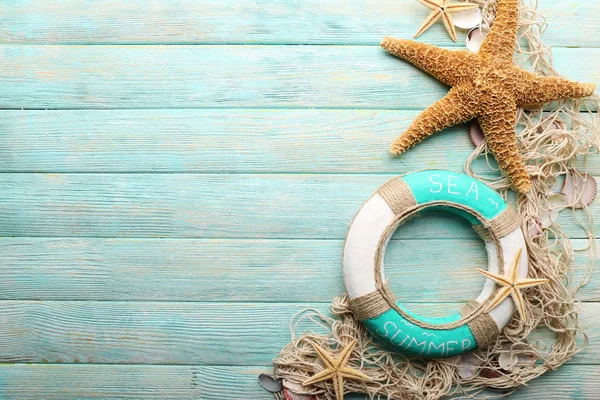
[519, 303]
[498, 124]
[446, 112]
[319, 377]
[535, 89]
[502, 294]
[515, 266]
[500, 41]
[449, 24]
[346, 353]
[338, 383]
[431, 19]
[499, 279]
[447, 66]
[327, 359]
[432, 4]
[527, 283]
[460, 7]
[351, 373]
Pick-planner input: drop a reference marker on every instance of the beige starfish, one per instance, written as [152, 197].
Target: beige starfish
[336, 370]
[511, 286]
[487, 86]
[442, 9]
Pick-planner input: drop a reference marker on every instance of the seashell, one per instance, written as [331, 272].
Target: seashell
[475, 38]
[508, 360]
[476, 133]
[534, 228]
[468, 365]
[490, 373]
[269, 383]
[580, 189]
[556, 202]
[518, 355]
[294, 387]
[289, 395]
[467, 19]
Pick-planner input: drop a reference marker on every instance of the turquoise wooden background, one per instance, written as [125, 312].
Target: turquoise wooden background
[177, 178]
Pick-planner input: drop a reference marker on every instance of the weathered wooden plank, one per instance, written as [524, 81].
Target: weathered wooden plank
[59, 77]
[204, 206]
[216, 141]
[82, 382]
[181, 332]
[226, 270]
[244, 21]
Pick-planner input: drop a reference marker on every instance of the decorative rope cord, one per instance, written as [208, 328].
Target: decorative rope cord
[548, 150]
[380, 254]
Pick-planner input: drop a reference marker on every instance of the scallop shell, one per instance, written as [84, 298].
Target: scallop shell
[467, 19]
[475, 38]
[269, 383]
[476, 133]
[580, 189]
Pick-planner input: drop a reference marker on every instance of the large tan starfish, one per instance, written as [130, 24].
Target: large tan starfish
[511, 286]
[442, 9]
[487, 86]
[336, 369]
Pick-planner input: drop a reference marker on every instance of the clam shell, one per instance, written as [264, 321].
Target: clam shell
[476, 134]
[269, 383]
[475, 38]
[467, 19]
[580, 189]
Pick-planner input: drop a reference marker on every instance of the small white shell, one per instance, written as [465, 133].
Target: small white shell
[467, 19]
[517, 355]
[556, 203]
[476, 133]
[467, 366]
[475, 38]
[508, 360]
[269, 383]
[580, 189]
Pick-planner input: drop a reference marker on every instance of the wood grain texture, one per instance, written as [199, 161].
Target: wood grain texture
[141, 382]
[191, 333]
[256, 22]
[204, 206]
[222, 141]
[81, 77]
[236, 270]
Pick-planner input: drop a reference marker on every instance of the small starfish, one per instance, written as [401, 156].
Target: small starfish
[486, 85]
[336, 369]
[511, 286]
[442, 9]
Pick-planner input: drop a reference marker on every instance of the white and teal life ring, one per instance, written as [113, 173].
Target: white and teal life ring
[371, 298]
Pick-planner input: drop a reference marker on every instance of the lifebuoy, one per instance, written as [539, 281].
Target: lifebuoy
[371, 298]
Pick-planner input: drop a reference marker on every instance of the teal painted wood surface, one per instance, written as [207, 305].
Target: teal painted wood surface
[277, 206]
[570, 24]
[165, 210]
[76, 77]
[227, 141]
